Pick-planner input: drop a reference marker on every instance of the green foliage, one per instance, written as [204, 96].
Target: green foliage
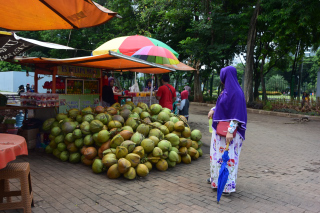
[267, 106]
[6, 66]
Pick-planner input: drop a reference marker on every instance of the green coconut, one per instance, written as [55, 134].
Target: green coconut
[118, 118]
[131, 104]
[86, 111]
[139, 151]
[171, 164]
[132, 123]
[129, 128]
[164, 129]
[116, 105]
[87, 118]
[174, 119]
[173, 156]
[143, 106]
[137, 138]
[163, 116]
[157, 133]
[72, 148]
[149, 165]
[121, 152]
[194, 145]
[157, 152]
[173, 138]
[200, 144]
[144, 115]
[108, 151]
[133, 158]
[62, 147]
[142, 170]
[156, 124]
[69, 138]
[68, 127]
[165, 145]
[72, 113]
[97, 166]
[186, 159]
[52, 144]
[169, 125]
[55, 123]
[59, 139]
[148, 145]
[175, 149]
[96, 126]
[109, 159]
[130, 174]
[154, 118]
[113, 172]
[88, 140]
[112, 110]
[137, 110]
[134, 115]
[143, 129]
[126, 106]
[61, 116]
[166, 110]
[48, 150]
[47, 124]
[155, 109]
[79, 143]
[162, 165]
[56, 153]
[196, 135]
[116, 141]
[77, 134]
[102, 117]
[129, 145]
[74, 157]
[155, 140]
[165, 155]
[125, 113]
[109, 117]
[64, 156]
[114, 124]
[85, 128]
[55, 131]
[103, 136]
[79, 118]
[200, 152]
[183, 142]
[123, 165]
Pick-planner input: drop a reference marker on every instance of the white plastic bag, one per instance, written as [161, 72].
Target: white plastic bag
[135, 88]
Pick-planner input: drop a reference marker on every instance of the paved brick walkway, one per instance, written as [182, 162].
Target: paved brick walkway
[279, 172]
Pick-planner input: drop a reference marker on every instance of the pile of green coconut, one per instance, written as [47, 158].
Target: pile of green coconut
[123, 140]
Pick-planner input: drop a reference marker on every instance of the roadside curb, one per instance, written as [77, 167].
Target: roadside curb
[264, 112]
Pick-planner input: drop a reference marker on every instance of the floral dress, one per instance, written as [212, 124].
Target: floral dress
[217, 148]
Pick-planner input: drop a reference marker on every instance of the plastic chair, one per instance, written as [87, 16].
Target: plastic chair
[16, 171]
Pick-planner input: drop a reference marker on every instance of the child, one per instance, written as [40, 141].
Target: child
[184, 105]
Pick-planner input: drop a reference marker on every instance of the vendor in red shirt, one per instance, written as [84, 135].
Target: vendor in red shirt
[166, 94]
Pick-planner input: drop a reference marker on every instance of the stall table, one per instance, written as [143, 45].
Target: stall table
[11, 146]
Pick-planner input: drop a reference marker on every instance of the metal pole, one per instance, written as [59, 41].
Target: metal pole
[151, 88]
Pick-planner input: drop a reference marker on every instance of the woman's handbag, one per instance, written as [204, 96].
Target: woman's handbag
[222, 129]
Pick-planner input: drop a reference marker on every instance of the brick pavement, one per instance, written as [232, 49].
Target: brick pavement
[279, 171]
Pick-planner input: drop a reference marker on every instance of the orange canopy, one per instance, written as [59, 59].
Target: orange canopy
[32, 15]
[112, 61]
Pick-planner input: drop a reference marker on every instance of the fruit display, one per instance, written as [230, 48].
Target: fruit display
[74, 86]
[123, 140]
[91, 87]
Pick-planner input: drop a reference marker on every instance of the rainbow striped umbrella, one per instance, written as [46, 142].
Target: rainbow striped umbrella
[128, 45]
[156, 54]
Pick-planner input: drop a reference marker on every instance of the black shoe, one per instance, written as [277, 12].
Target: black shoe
[209, 180]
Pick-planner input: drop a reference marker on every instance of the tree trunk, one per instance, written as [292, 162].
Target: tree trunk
[263, 85]
[256, 84]
[211, 84]
[248, 84]
[293, 72]
[300, 79]
[197, 87]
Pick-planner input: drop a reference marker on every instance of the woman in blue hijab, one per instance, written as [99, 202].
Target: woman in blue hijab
[230, 107]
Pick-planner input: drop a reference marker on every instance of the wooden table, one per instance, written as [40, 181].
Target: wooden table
[11, 146]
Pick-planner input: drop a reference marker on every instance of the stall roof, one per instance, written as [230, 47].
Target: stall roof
[33, 15]
[112, 61]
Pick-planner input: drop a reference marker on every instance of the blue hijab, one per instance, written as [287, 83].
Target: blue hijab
[231, 104]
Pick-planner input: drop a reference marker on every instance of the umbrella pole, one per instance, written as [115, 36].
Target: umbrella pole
[151, 89]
